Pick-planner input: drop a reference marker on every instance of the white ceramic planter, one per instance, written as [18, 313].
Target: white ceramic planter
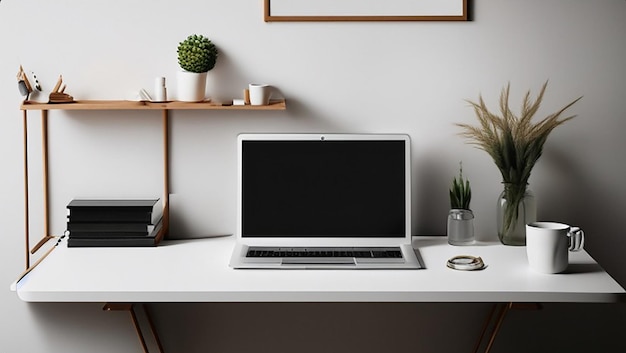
[191, 86]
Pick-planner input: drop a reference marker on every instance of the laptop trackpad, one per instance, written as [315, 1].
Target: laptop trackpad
[318, 261]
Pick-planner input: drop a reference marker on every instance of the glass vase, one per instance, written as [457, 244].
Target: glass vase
[516, 208]
[460, 227]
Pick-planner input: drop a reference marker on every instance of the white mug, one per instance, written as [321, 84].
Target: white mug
[259, 93]
[548, 243]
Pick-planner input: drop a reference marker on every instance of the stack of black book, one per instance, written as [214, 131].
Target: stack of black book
[102, 223]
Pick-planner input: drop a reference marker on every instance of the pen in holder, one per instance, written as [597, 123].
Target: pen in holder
[58, 94]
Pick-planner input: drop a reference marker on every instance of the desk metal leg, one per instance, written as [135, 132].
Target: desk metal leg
[498, 313]
[485, 327]
[152, 328]
[501, 310]
[505, 309]
[137, 324]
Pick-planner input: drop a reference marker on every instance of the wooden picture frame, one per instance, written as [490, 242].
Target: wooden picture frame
[364, 10]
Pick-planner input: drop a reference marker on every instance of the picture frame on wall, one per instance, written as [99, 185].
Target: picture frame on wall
[364, 10]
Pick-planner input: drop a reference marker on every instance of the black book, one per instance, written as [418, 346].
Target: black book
[146, 211]
[104, 230]
[130, 241]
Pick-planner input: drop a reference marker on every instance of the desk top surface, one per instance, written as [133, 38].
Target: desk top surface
[197, 271]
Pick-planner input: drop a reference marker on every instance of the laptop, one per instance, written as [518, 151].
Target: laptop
[324, 201]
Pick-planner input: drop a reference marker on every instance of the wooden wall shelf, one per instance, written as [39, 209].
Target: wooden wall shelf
[111, 105]
[144, 105]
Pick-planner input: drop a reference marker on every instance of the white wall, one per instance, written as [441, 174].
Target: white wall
[337, 77]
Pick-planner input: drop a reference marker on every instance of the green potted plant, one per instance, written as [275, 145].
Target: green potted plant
[197, 56]
[460, 217]
[515, 144]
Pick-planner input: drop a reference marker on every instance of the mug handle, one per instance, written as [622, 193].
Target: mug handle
[576, 239]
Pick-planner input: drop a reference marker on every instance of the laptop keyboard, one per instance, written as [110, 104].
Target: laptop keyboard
[373, 253]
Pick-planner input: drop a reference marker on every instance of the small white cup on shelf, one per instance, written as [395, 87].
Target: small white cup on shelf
[259, 93]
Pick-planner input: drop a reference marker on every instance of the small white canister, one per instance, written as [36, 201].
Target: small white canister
[160, 91]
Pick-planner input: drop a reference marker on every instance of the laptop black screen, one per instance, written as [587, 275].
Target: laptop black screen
[323, 188]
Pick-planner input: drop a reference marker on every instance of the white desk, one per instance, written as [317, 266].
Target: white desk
[197, 271]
